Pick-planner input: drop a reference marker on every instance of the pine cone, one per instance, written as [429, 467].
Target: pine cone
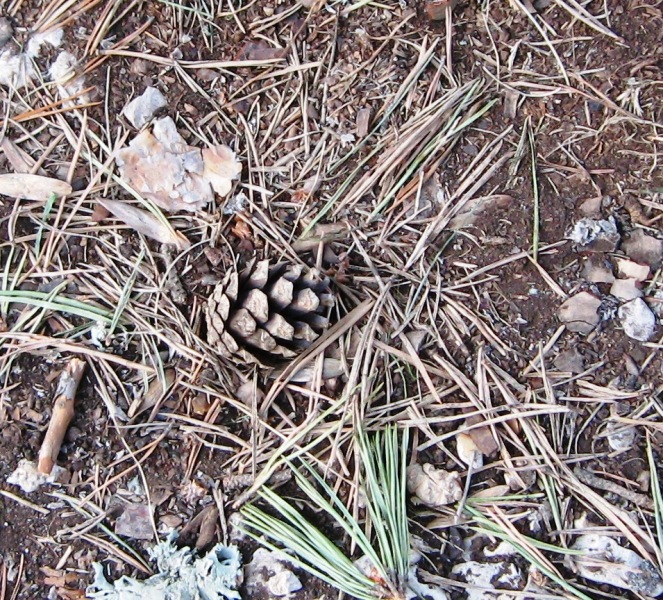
[268, 312]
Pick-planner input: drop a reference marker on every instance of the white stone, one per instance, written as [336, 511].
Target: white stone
[620, 437]
[142, 108]
[268, 571]
[637, 319]
[284, 583]
[625, 289]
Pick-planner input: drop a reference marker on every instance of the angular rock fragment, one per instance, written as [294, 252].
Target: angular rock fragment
[595, 235]
[597, 270]
[629, 269]
[176, 176]
[580, 313]
[637, 319]
[626, 289]
[142, 108]
[644, 248]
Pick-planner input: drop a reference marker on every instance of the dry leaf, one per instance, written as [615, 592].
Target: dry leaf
[153, 394]
[32, 187]
[20, 160]
[437, 9]
[241, 230]
[146, 223]
[309, 187]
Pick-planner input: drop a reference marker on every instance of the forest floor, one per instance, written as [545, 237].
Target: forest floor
[437, 161]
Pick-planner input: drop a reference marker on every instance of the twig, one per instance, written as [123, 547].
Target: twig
[588, 478]
[63, 412]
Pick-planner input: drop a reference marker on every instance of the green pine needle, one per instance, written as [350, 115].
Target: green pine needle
[384, 459]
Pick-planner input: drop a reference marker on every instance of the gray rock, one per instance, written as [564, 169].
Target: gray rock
[142, 108]
[637, 319]
[6, 31]
[644, 248]
[580, 313]
[595, 235]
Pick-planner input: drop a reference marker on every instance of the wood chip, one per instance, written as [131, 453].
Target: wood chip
[363, 121]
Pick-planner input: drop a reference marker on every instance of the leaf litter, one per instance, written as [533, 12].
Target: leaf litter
[433, 172]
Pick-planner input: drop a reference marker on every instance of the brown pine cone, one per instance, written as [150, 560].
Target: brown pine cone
[268, 313]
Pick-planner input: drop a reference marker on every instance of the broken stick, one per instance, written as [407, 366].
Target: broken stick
[63, 413]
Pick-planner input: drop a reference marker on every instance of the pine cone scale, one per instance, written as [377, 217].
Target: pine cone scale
[268, 311]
